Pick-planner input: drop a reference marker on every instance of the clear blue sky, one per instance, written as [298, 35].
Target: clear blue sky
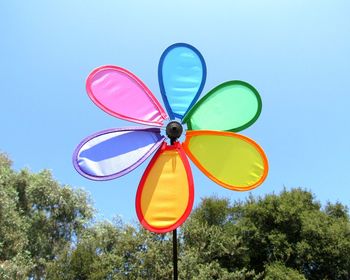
[296, 53]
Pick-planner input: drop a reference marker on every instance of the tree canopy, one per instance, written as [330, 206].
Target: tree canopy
[47, 232]
[38, 217]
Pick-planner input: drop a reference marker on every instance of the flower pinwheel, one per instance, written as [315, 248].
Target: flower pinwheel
[165, 194]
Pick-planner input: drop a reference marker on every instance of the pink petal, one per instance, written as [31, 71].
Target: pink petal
[121, 94]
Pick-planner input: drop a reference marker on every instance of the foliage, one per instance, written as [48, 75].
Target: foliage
[38, 217]
[46, 232]
[277, 271]
[286, 236]
[116, 251]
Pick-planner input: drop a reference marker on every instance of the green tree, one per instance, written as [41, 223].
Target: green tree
[38, 217]
[115, 251]
[285, 236]
[278, 271]
[15, 262]
[273, 235]
[46, 232]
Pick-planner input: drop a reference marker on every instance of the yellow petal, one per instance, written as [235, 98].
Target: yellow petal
[164, 197]
[231, 160]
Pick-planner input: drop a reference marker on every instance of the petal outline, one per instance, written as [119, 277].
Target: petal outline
[161, 80]
[165, 148]
[126, 170]
[155, 119]
[187, 150]
[216, 90]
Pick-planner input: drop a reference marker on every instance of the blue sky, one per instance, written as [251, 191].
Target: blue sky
[296, 53]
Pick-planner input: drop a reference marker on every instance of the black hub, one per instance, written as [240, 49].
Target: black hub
[173, 131]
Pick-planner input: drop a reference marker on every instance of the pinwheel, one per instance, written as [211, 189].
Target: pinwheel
[165, 194]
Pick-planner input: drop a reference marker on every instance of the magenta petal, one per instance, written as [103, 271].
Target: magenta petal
[121, 94]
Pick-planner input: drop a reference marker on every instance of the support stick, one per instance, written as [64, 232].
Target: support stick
[175, 254]
[173, 131]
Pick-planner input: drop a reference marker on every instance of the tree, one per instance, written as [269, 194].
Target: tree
[38, 217]
[277, 271]
[286, 236]
[115, 251]
[278, 234]
[15, 261]
[46, 232]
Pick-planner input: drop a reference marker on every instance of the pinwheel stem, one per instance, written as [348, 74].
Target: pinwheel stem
[174, 242]
[174, 131]
[175, 254]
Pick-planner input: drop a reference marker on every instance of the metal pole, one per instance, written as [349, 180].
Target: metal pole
[172, 141]
[175, 254]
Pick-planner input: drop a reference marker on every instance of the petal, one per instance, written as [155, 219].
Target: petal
[229, 159]
[121, 94]
[181, 74]
[112, 153]
[164, 197]
[231, 106]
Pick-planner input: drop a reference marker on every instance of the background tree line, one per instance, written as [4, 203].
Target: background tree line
[47, 231]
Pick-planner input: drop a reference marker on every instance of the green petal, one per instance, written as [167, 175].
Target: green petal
[231, 106]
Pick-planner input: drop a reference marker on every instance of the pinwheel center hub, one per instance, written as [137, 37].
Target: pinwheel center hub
[174, 130]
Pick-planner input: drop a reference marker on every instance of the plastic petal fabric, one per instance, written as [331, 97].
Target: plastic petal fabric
[229, 159]
[113, 153]
[231, 106]
[121, 94]
[164, 197]
[181, 75]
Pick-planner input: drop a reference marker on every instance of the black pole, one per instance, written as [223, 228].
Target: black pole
[174, 242]
[172, 141]
[173, 131]
[175, 254]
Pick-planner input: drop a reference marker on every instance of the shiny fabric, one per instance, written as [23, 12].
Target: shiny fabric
[165, 194]
[121, 94]
[164, 197]
[229, 159]
[231, 106]
[181, 74]
[112, 153]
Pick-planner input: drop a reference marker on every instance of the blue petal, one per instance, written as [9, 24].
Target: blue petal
[113, 153]
[181, 74]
